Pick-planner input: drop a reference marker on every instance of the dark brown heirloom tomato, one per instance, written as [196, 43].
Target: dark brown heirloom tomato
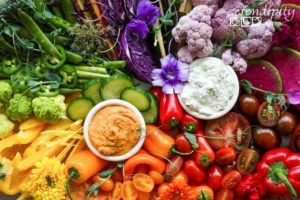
[268, 114]
[248, 104]
[247, 161]
[286, 123]
[295, 139]
[265, 137]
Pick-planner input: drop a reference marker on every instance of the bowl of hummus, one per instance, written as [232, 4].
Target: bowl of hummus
[114, 130]
[212, 89]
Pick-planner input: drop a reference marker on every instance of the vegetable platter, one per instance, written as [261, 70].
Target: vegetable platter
[59, 58]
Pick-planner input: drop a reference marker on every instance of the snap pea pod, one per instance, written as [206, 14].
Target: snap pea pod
[69, 10]
[36, 32]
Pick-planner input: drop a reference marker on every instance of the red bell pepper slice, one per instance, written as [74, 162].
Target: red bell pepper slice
[279, 168]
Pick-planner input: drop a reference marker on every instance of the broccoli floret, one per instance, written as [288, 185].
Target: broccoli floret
[49, 109]
[6, 92]
[6, 126]
[19, 108]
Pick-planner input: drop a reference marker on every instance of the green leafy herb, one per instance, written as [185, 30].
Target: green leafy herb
[192, 139]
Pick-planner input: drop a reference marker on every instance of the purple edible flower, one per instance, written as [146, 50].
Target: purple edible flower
[138, 27]
[171, 75]
[147, 12]
[294, 97]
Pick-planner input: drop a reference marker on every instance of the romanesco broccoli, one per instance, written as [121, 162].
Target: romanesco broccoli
[6, 92]
[19, 108]
[49, 109]
[6, 126]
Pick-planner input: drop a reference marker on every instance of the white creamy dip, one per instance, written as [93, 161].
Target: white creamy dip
[210, 88]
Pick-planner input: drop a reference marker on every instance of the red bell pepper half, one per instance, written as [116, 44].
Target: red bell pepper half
[280, 168]
[170, 111]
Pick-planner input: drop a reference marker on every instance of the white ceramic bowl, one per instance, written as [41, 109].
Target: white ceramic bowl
[111, 102]
[227, 107]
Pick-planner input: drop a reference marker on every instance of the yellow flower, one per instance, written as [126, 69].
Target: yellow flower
[47, 180]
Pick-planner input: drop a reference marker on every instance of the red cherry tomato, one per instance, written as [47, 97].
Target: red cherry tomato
[232, 129]
[225, 155]
[214, 176]
[231, 179]
[224, 194]
[182, 144]
[193, 171]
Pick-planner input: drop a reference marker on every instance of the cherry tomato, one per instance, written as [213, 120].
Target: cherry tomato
[265, 137]
[268, 114]
[143, 195]
[193, 171]
[224, 194]
[143, 182]
[128, 191]
[214, 176]
[182, 144]
[116, 193]
[157, 177]
[248, 104]
[162, 188]
[203, 192]
[286, 123]
[231, 179]
[180, 177]
[141, 168]
[106, 184]
[225, 155]
[232, 129]
[247, 161]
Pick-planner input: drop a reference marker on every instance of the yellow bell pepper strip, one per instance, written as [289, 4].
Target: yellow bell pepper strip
[22, 137]
[157, 142]
[10, 179]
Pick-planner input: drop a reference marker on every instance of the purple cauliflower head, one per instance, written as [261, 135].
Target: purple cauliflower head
[258, 41]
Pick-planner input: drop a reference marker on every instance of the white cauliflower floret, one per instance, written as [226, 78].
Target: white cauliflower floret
[258, 41]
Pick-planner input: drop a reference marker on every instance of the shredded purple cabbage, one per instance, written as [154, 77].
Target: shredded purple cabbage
[132, 17]
[135, 51]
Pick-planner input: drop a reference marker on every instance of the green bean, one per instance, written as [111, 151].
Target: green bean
[56, 10]
[39, 5]
[73, 57]
[69, 11]
[38, 35]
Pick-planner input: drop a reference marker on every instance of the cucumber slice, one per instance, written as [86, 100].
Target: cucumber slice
[113, 86]
[151, 115]
[91, 89]
[137, 97]
[79, 107]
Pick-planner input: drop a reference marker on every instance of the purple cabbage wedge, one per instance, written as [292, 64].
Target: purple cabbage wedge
[133, 17]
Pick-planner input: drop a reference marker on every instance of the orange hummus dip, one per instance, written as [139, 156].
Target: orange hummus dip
[114, 130]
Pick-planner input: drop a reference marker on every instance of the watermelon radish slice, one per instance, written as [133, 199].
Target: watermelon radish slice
[262, 74]
[287, 62]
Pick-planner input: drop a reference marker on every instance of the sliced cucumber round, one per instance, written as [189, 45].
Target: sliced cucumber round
[79, 107]
[91, 89]
[137, 97]
[151, 115]
[113, 86]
